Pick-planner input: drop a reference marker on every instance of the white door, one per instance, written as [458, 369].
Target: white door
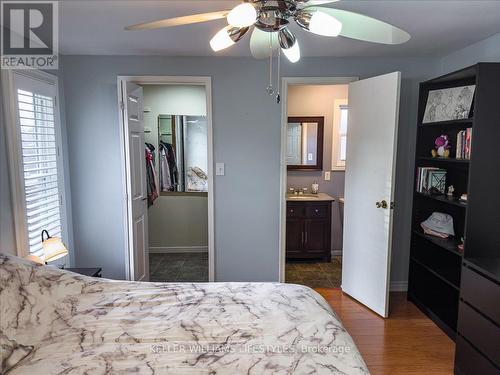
[136, 181]
[370, 171]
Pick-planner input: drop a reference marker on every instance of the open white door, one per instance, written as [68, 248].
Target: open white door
[369, 189]
[132, 107]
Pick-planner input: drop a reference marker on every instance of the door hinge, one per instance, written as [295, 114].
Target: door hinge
[122, 105]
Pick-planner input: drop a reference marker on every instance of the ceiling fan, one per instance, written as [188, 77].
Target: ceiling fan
[271, 19]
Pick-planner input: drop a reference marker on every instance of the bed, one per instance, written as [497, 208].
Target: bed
[57, 322]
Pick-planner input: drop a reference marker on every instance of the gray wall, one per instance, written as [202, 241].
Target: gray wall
[487, 50]
[246, 138]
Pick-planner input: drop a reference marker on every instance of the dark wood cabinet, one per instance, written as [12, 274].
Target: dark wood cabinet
[308, 230]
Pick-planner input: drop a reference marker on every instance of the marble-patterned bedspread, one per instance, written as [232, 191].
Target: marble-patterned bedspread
[57, 322]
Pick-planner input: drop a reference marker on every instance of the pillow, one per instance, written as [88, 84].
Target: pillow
[11, 353]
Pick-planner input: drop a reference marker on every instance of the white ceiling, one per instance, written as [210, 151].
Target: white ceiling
[437, 28]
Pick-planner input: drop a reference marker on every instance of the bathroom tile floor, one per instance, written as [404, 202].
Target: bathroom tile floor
[178, 267]
[315, 274]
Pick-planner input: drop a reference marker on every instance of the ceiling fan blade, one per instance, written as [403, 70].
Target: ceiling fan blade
[361, 27]
[260, 43]
[178, 21]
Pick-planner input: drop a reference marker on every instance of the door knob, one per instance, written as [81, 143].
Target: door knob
[382, 204]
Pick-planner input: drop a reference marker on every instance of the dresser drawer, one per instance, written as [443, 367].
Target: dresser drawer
[295, 210]
[481, 293]
[481, 332]
[469, 361]
[316, 211]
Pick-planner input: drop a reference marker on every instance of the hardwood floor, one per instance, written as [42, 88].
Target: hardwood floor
[407, 343]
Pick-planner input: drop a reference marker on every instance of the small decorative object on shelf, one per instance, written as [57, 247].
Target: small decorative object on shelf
[442, 147]
[463, 197]
[315, 188]
[449, 104]
[451, 190]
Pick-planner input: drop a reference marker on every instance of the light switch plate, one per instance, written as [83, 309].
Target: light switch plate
[327, 176]
[220, 169]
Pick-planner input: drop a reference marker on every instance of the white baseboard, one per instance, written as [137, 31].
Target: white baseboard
[399, 286]
[179, 249]
[336, 253]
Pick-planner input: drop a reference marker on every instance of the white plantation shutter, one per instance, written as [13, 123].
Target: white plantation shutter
[40, 185]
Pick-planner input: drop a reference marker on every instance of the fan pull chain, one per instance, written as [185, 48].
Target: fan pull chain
[278, 85]
[270, 89]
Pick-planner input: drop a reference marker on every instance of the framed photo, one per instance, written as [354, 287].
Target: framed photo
[449, 104]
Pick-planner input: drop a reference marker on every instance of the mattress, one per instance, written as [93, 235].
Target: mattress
[57, 322]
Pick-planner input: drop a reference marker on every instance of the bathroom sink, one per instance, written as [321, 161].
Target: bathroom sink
[303, 196]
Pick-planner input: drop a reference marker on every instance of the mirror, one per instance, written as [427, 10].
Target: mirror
[182, 152]
[305, 143]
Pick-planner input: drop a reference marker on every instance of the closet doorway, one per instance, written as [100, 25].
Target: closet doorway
[167, 160]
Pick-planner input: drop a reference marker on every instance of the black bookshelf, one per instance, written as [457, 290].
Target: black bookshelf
[459, 290]
[441, 269]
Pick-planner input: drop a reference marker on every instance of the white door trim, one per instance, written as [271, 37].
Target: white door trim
[289, 81]
[170, 80]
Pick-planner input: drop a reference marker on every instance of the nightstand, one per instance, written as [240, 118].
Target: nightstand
[92, 272]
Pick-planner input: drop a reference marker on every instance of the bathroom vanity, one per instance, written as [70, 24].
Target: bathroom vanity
[308, 226]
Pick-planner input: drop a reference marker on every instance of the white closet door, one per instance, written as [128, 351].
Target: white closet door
[136, 179]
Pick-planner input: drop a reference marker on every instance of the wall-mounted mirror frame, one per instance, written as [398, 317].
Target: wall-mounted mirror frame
[318, 164]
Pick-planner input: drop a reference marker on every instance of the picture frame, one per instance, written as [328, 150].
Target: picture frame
[454, 103]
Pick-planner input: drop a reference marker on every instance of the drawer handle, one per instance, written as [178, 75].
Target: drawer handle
[291, 211]
[317, 210]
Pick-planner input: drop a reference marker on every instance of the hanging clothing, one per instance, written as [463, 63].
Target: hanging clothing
[165, 179]
[152, 186]
[169, 174]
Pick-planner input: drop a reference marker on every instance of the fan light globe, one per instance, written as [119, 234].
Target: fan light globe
[221, 40]
[292, 53]
[324, 24]
[243, 15]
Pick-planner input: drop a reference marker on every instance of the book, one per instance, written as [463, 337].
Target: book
[468, 143]
[464, 142]
[431, 180]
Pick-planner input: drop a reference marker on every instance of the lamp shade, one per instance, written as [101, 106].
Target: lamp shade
[243, 15]
[53, 249]
[34, 259]
[227, 37]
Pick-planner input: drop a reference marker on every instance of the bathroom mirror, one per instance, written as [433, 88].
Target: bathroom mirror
[305, 143]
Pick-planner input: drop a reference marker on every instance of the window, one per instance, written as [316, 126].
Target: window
[339, 149]
[343, 132]
[35, 158]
